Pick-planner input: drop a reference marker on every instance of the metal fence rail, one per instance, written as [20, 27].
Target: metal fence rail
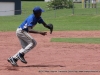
[78, 9]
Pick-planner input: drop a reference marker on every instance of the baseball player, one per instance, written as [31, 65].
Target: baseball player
[26, 40]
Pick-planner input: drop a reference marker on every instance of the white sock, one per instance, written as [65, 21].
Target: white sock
[15, 56]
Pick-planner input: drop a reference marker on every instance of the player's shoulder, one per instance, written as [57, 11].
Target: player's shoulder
[31, 15]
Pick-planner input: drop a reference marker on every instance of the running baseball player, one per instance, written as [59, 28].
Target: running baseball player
[26, 40]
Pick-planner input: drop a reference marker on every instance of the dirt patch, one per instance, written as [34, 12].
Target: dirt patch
[51, 58]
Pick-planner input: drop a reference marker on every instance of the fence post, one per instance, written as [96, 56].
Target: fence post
[55, 11]
[96, 9]
[73, 9]
[82, 3]
[88, 3]
[85, 3]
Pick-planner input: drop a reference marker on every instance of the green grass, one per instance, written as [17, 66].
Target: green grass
[77, 40]
[63, 20]
[86, 19]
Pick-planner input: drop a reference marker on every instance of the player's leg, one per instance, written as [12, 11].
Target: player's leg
[23, 44]
[21, 36]
[31, 43]
[13, 60]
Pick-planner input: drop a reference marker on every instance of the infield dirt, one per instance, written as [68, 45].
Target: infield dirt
[52, 58]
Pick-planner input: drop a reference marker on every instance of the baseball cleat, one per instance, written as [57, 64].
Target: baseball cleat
[21, 57]
[12, 61]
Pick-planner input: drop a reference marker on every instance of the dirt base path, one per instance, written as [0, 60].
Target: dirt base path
[51, 58]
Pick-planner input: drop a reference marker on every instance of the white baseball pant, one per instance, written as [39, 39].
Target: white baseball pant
[26, 40]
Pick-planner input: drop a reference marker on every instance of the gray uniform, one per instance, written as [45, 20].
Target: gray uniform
[26, 40]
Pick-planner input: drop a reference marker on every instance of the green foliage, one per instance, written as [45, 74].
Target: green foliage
[60, 4]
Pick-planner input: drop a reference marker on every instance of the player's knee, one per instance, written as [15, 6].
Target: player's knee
[34, 43]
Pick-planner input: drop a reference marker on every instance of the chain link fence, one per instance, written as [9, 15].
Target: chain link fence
[78, 9]
[86, 8]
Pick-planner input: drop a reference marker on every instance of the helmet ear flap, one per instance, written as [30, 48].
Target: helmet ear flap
[34, 12]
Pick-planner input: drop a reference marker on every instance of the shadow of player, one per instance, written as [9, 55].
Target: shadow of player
[12, 68]
[43, 66]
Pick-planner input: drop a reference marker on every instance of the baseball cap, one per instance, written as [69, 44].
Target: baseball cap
[37, 9]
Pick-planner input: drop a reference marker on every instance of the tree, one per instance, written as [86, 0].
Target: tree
[60, 4]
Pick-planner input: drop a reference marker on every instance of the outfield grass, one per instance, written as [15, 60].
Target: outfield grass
[86, 19]
[62, 19]
[77, 40]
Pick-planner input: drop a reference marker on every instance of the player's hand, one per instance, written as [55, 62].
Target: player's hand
[43, 33]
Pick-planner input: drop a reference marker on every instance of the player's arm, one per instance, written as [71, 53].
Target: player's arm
[49, 26]
[45, 25]
[30, 30]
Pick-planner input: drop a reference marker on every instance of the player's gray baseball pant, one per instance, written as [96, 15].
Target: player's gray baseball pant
[27, 42]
